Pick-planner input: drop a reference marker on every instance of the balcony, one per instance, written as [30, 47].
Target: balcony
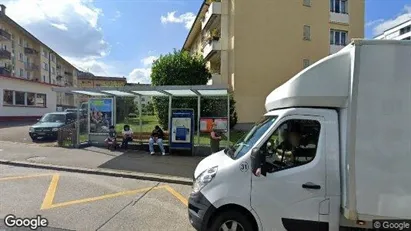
[5, 71]
[213, 13]
[335, 48]
[30, 51]
[339, 18]
[4, 35]
[5, 54]
[215, 79]
[211, 48]
[31, 67]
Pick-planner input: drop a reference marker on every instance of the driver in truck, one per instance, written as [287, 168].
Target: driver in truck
[288, 152]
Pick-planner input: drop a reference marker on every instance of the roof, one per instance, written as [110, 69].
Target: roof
[11, 22]
[140, 90]
[83, 77]
[326, 83]
[392, 27]
[195, 23]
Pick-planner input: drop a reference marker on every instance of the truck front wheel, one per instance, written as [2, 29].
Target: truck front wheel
[231, 221]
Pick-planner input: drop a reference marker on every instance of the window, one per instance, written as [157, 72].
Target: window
[41, 100]
[293, 144]
[53, 70]
[31, 99]
[45, 66]
[8, 97]
[247, 142]
[339, 6]
[44, 78]
[405, 30]
[20, 41]
[338, 37]
[20, 98]
[307, 2]
[307, 33]
[21, 57]
[28, 75]
[306, 63]
[21, 72]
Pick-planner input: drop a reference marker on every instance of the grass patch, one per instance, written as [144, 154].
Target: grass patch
[150, 121]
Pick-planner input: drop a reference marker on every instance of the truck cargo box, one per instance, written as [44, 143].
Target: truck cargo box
[379, 131]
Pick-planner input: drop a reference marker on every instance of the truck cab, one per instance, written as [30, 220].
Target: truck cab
[291, 191]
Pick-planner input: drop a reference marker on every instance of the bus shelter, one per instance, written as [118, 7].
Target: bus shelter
[178, 118]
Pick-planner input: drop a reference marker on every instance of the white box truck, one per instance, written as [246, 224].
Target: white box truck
[333, 151]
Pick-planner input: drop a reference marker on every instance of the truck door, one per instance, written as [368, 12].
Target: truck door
[288, 197]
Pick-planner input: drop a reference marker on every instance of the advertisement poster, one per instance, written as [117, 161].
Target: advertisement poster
[181, 130]
[206, 124]
[101, 115]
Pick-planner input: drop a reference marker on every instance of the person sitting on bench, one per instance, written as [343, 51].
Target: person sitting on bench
[157, 136]
[127, 136]
[111, 141]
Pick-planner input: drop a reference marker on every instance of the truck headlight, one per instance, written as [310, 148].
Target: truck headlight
[54, 129]
[31, 129]
[204, 178]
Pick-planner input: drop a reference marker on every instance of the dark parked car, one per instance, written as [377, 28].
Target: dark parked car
[47, 127]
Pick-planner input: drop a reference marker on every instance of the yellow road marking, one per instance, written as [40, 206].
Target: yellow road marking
[91, 199]
[177, 195]
[25, 177]
[48, 199]
[51, 192]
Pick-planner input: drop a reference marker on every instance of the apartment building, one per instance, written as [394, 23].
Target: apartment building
[255, 46]
[402, 31]
[88, 80]
[101, 81]
[29, 69]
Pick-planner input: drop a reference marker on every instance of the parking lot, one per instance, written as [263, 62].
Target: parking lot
[72, 201]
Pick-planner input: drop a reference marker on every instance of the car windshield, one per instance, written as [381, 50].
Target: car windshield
[245, 144]
[53, 118]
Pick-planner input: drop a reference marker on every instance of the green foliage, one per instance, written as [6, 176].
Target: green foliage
[124, 106]
[148, 109]
[177, 68]
[181, 68]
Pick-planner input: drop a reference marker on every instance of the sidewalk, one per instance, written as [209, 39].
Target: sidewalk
[136, 164]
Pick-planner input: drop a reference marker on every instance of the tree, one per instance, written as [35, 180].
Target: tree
[124, 106]
[181, 68]
[177, 68]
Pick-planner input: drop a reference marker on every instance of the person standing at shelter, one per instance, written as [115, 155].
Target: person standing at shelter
[215, 137]
[157, 136]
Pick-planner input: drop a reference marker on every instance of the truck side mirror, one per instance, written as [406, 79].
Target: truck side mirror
[255, 159]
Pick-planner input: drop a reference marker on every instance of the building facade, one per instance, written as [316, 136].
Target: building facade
[27, 67]
[401, 31]
[88, 80]
[255, 46]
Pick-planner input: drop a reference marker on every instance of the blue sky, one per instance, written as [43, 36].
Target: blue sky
[123, 37]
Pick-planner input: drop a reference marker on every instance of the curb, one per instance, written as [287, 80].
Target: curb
[103, 172]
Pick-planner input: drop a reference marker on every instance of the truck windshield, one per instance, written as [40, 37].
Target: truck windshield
[245, 144]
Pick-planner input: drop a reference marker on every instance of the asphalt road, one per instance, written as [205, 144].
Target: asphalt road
[15, 131]
[71, 201]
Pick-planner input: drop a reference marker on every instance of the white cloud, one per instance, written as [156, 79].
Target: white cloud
[148, 61]
[59, 26]
[388, 23]
[116, 16]
[142, 75]
[186, 18]
[70, 27]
